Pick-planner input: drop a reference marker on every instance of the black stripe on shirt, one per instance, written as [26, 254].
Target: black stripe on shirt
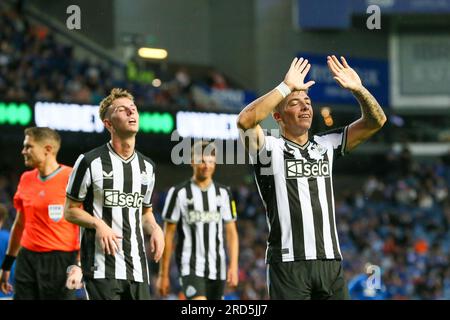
[126, 228]
[110, 261]
[206, 232]
[190, 207]
[295, 210]
[74, 192]
[218, 258]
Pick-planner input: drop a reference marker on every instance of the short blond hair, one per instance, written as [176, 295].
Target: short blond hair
[115, 93]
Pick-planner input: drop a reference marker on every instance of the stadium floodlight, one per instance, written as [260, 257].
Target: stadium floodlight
[152, 53]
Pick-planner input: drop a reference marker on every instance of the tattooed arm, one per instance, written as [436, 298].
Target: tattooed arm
[372, 115]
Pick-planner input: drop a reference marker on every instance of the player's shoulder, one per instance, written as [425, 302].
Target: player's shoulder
[222, 186]
[273, 142]
[325, 134]
[93, 154]
[176, 188]
[66, 170]
[272, 139]
[29, 175]
[145, 158]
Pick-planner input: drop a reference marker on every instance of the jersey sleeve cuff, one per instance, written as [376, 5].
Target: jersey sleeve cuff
[170, 220]
[74, 198]
[344, 141]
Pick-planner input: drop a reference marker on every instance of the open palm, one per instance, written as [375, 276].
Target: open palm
[343, 73]
[295, 77]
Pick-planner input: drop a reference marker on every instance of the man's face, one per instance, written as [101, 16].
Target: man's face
[297, 113]
[123, 116]
[34, 152]
[205, 169]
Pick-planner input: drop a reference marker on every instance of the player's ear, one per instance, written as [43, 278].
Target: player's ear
[48, 148]
[108, 124]
[276, 116]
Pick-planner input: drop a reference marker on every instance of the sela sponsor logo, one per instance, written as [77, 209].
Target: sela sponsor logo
[195, 216]
[303, 169]
[115, 198]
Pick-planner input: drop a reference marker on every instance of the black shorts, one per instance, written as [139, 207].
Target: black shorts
[307, 280]
[42, 275]
[114, 289]
[194, 286]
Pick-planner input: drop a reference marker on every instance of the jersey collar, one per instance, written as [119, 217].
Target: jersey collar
[130, 158]
[202, 189]
[296, 145]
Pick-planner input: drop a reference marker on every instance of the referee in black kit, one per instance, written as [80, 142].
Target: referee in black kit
[294, 178]
[202, 213]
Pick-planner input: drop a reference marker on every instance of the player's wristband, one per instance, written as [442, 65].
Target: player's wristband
[8, 262]
[283, 89]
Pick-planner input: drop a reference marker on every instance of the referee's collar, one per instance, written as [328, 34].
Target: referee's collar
[51, 175]
[130, 158]
[296, 145]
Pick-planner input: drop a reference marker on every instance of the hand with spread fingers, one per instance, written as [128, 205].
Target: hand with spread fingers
[296, 75]
[344, 74]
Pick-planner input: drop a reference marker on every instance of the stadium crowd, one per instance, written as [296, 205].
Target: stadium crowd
[34, 65]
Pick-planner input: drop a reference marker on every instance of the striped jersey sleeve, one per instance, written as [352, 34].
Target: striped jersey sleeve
[79, 180]
[228, 208]
[148, 194]
[172, 210]
[263, 156]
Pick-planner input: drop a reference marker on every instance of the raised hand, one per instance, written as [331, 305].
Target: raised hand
[296, 74]
[344, 74]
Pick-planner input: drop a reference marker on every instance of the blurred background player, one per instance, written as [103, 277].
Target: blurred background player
[364, 286]
[114, 183]
[4, 238]
[43, 241]
[202, 213]
[294, 176]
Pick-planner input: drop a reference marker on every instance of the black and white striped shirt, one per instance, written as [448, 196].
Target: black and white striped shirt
[200, 215]
[115, 190]
[296, 185]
